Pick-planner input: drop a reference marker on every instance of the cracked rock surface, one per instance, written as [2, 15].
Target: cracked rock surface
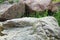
[28, 28]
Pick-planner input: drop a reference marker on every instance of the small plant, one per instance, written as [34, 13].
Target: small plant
[39, 14]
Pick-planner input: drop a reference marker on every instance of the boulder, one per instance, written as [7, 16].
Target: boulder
[40, 5]
[37, 5]
[10, 11]
[28, 28]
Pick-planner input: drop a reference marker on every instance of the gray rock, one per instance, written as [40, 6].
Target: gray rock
[28, 28]
[9, 11]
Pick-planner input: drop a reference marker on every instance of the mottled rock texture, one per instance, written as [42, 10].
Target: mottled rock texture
[40, 5]
[11, 11]
[28, 28]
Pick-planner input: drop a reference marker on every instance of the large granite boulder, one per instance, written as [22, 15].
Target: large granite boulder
[10, 11]
[28, 28]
